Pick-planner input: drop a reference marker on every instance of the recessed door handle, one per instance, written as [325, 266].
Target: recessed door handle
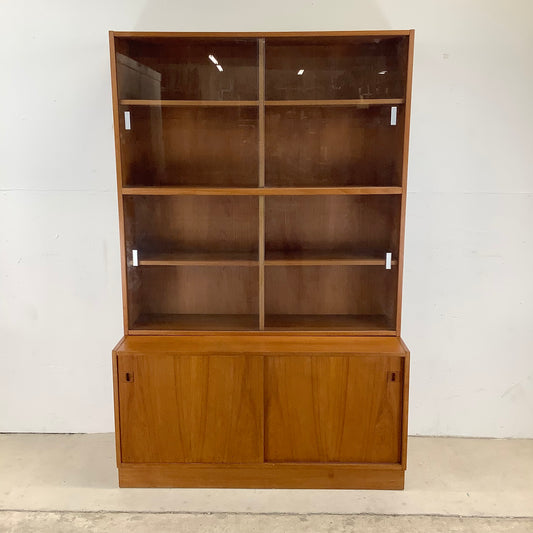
[127, 377]
[394, 376]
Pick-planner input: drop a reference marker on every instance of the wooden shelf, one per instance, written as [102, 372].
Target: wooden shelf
[338, 103]
[270, 103]
[276, 258]
[273, 346]
[167, 322]
[358, 323]
[190, 103]
[199, 258]
[258, 191]
[318, 258]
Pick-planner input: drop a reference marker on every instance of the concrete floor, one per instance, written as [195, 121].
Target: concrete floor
[18, 522]
[69, 483]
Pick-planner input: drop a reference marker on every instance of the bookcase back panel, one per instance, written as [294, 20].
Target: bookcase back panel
[203, 146]
[357, 224]
[173, 224]
[333, 146]
[196, 290]
[331, 290]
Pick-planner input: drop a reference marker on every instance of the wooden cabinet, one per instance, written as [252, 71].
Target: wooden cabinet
[288, 411]
[262, 186]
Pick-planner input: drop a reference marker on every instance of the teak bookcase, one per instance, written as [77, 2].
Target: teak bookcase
[261, 185]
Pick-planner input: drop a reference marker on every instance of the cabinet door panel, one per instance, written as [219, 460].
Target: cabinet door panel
[191, 408]
[333, 409]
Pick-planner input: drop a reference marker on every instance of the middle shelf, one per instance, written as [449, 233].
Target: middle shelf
[258, 191]
[272, 258]
[362, 102]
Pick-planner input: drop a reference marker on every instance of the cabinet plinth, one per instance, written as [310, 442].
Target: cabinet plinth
[262, 186]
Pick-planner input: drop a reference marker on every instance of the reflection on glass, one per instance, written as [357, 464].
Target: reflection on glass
[186, 146]
[182, 69]
[336, 68]
[333, 146]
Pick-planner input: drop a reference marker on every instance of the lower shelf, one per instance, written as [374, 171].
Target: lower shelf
[167, 322]
[196, 322]
[329, 322]
[264, 475]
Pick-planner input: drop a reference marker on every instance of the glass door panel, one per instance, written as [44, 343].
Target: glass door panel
[192, 262]
[187, 69]
[333, 68]
[188, 111]
[325, 146]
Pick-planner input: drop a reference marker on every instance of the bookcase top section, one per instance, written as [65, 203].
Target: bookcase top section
[261, 345]
[255, 35]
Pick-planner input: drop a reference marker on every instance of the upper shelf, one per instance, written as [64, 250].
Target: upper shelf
[272, 103]
[190, 103]
[258, 191]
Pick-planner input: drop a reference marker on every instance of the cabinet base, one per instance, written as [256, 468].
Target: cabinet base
[272, 476]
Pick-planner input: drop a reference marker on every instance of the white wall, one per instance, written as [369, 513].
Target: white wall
[468, 294]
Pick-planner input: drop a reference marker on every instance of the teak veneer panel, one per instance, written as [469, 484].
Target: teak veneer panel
[191, 408]
[319, 146]
[330, 290]
[192, 224]
[259, 191]
[260, 345]
[333, 409]
[173, 323]
[198, 290]
[191, 146]
[262, 476]
[340, 223]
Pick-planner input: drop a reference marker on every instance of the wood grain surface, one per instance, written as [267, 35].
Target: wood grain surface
[333, 409]
[262, 476]
[274, 344]
[191, 409]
